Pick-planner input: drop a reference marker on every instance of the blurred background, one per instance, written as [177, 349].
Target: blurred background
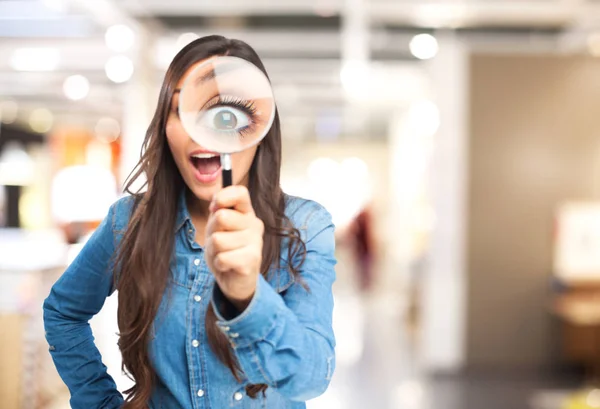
[456, 144]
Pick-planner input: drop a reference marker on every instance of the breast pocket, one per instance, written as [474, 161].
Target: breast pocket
[181, 270]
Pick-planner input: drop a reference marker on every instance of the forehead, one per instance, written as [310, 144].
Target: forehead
[225, 75]
[191, 69]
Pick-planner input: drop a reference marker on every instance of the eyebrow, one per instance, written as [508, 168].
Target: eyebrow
[207, 77]
[223, 69]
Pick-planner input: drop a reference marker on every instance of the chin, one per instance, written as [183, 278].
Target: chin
[205, 193]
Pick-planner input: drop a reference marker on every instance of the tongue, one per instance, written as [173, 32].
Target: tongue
[208, 166]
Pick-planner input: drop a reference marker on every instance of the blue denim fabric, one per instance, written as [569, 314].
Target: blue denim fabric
[284, 338]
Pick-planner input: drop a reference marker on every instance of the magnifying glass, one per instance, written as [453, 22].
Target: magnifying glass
[226, 105]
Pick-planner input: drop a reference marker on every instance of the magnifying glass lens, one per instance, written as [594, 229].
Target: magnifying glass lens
[226, 105]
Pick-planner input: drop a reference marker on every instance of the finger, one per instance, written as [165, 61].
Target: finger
[231, 240]
[227, 220]
[239, 260]
[233, 197]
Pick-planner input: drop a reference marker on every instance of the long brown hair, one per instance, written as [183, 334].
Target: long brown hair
[142, 262]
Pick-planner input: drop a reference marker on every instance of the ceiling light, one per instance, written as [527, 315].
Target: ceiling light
[119, 38]
[119, 69]
[76, 87]
[35, 59]
[424, 46]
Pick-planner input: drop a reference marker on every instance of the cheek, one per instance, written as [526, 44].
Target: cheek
[243, 160]
[176, 137]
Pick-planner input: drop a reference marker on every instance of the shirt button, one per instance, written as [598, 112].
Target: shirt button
[197, 298]
[195, 343]
[200, 393]
[197, 262]
[238, 396]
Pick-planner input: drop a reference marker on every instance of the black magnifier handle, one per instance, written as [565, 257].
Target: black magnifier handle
[226, 169]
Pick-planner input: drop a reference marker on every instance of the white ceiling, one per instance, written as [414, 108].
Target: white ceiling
[300, 40]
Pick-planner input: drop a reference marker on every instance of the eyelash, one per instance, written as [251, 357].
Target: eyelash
[247, 107]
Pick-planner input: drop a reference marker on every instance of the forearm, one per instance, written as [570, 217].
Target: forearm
[293, 359]
[78, 361]
[275, 348]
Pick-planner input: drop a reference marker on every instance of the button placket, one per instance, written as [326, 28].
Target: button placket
[197, 306]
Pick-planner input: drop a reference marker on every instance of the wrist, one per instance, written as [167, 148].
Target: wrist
[242, 303]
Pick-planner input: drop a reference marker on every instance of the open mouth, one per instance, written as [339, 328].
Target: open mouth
[206, 163]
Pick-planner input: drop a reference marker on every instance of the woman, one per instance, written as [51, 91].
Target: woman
[262, 337]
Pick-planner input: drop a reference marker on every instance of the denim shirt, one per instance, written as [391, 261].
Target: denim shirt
[284, 338]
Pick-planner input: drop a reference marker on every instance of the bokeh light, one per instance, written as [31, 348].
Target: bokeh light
[119, 38]
[76, 87]
[119, 69]
[41, 120]
[424, 46]
[107, 129]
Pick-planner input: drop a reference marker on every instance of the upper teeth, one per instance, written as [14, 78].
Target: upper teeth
[204, 155]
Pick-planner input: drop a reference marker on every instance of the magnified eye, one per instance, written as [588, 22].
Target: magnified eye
[225, 118]
[228, 117]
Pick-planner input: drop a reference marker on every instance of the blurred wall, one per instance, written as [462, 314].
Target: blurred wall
[535, 141]
[296, 161]
[344, 194]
